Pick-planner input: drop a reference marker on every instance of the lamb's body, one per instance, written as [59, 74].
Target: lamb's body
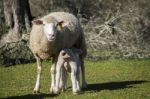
[68, 61]
[66, 37]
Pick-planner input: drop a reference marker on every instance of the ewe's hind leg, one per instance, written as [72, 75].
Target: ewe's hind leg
[84, 83]
[39, 68]
[82, 46]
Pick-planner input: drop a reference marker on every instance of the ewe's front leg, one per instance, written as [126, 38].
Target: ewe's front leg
[39, 68]
[53, 73]
[58, 75]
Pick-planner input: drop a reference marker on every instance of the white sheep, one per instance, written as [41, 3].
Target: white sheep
[52, 33]
[68, 60]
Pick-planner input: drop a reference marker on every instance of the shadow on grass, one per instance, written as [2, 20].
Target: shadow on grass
[91, 87]
[113, 85]
[31, 96]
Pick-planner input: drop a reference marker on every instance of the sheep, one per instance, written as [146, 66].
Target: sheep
[68, 61]
[52, 33]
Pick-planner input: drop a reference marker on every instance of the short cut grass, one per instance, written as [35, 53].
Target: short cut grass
[112, 79]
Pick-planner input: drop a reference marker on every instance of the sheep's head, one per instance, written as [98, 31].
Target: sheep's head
[65, 55]
[50, 28]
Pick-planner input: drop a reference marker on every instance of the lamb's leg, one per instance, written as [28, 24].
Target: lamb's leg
[53, 73]
[58, 74]
[64, 76]
[63, 80]
[74, 77]
[84, 83]
[39, 68]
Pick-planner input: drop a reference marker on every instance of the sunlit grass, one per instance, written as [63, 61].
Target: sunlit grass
[112, 79]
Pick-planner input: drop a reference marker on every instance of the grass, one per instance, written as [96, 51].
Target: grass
[112, 79]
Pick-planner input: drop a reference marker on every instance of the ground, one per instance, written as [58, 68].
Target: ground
[111, 79]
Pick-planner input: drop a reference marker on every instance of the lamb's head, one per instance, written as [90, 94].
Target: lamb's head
[65, 54]
[50, 28]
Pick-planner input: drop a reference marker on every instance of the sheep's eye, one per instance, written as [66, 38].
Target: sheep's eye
[63, 53]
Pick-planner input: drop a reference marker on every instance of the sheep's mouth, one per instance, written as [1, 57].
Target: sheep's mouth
[51, 39]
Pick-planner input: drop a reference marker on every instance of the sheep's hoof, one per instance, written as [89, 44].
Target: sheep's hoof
[63, 90]
[84, 85]
[36, 91]
[77, 93]
[54, 92]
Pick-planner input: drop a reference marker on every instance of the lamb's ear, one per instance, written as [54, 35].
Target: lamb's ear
[79, 51]
[62, 24]
[37, 22]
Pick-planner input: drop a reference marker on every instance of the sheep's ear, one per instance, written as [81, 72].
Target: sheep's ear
[37, 22]
[79, 51]
[62, 24]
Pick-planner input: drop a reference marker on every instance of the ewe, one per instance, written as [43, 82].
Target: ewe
[52, 33]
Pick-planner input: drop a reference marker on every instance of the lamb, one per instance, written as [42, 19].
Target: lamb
[68, 61]
[52, 33]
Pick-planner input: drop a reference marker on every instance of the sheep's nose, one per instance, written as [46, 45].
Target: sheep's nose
[51, 35]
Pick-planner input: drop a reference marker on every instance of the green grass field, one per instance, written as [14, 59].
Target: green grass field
[111, 79]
